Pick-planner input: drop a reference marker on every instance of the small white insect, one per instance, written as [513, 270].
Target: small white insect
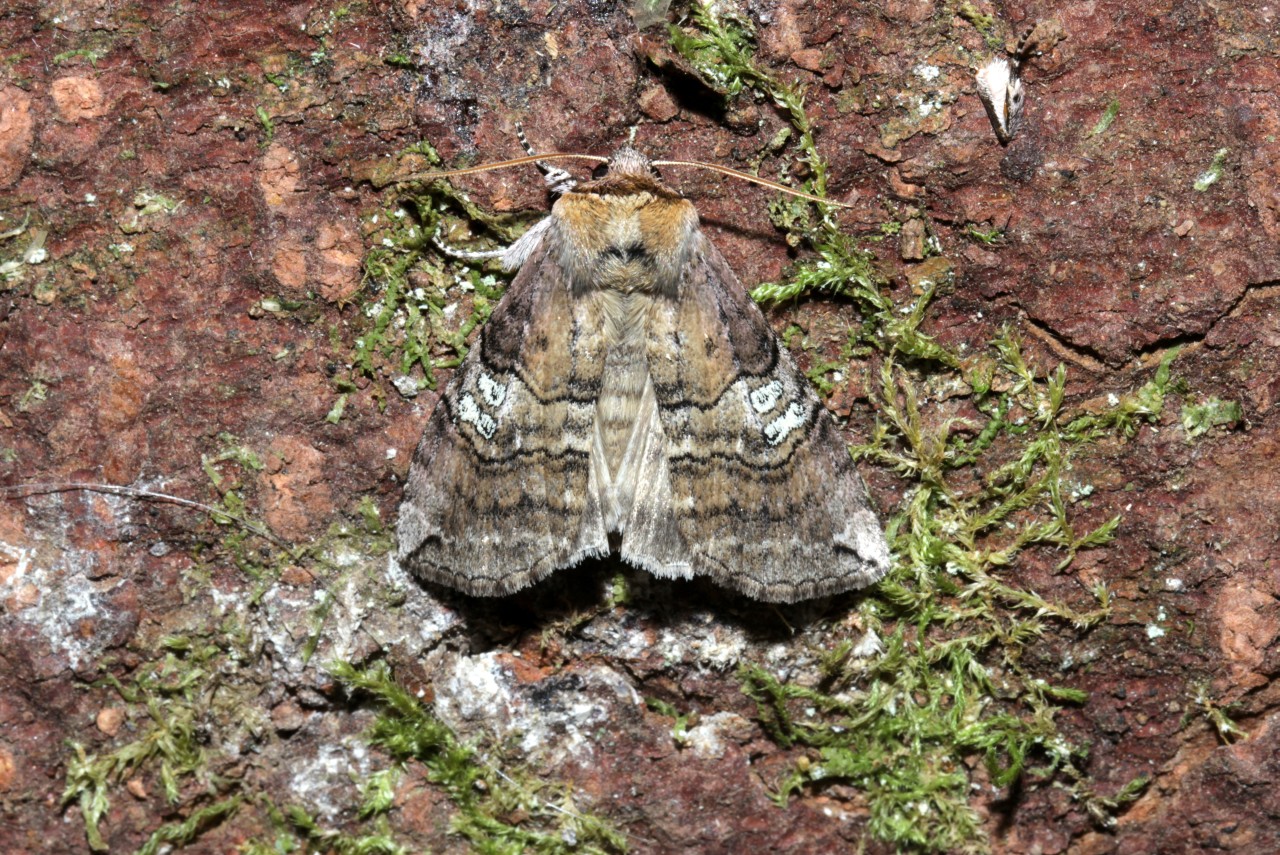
[1000, 88]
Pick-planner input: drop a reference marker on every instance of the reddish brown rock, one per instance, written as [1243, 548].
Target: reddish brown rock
[109, 720]
[656, 103]
[279, 176]
[809, 59]
[338, 261]
[299, 491]
[8, 768]
[78, 98]
[145, 338]
[17, 133]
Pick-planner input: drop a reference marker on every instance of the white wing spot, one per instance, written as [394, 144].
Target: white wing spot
[795, 416]
[469, 412]
[491, 390]
[766, 397]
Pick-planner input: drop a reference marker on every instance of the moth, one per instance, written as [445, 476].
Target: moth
[1001, 91]
[626, 386]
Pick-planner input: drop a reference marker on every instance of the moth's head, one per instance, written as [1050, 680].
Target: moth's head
[627, 172]
[628, 161]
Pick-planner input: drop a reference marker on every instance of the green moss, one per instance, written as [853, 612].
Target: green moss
[281, 82]
[148, 202]
[822, 374]
[210, 679]
[680, 729]
[718, 43]
[485, 797]
[37, 393]
[1108, 116]
[1211, 175]
[232, 451]
[1198, 419]
[986, 237]
[718, 47]
[411, 321]
[180, 833]
[170, 700]
[949, 683]
[1103, 809]
[241, 543]
[982, 23]
[206, 679]
[90, 54]
[298, 831]
[1218, 715]
[268, 126]
[378, 792]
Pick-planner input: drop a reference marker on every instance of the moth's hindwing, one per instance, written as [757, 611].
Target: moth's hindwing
[763, 495]
[498, 494]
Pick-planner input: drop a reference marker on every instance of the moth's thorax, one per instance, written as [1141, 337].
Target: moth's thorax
[626, 231]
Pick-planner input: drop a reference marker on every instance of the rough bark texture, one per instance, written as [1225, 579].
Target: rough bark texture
[191, 161]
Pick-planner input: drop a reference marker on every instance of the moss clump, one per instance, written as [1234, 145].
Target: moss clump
[169, 701]
[208, 678]
[1210, 176]
[486, 797]
[1106, 119]
[984, 236]
[982, 23]
[1200, 418]
[410, 317]
[415, 320]
[298, 831]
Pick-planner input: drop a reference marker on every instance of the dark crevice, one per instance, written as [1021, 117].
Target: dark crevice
[1082, 355]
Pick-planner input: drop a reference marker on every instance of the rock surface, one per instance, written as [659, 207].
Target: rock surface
[193, 167]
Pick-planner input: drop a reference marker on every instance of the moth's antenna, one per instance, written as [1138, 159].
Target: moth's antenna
[1026, 45]
[537, 158]
[502, 164]
[754, 179]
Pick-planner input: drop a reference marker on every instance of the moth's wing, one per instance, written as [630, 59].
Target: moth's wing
[500, 491]
[759, 491]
